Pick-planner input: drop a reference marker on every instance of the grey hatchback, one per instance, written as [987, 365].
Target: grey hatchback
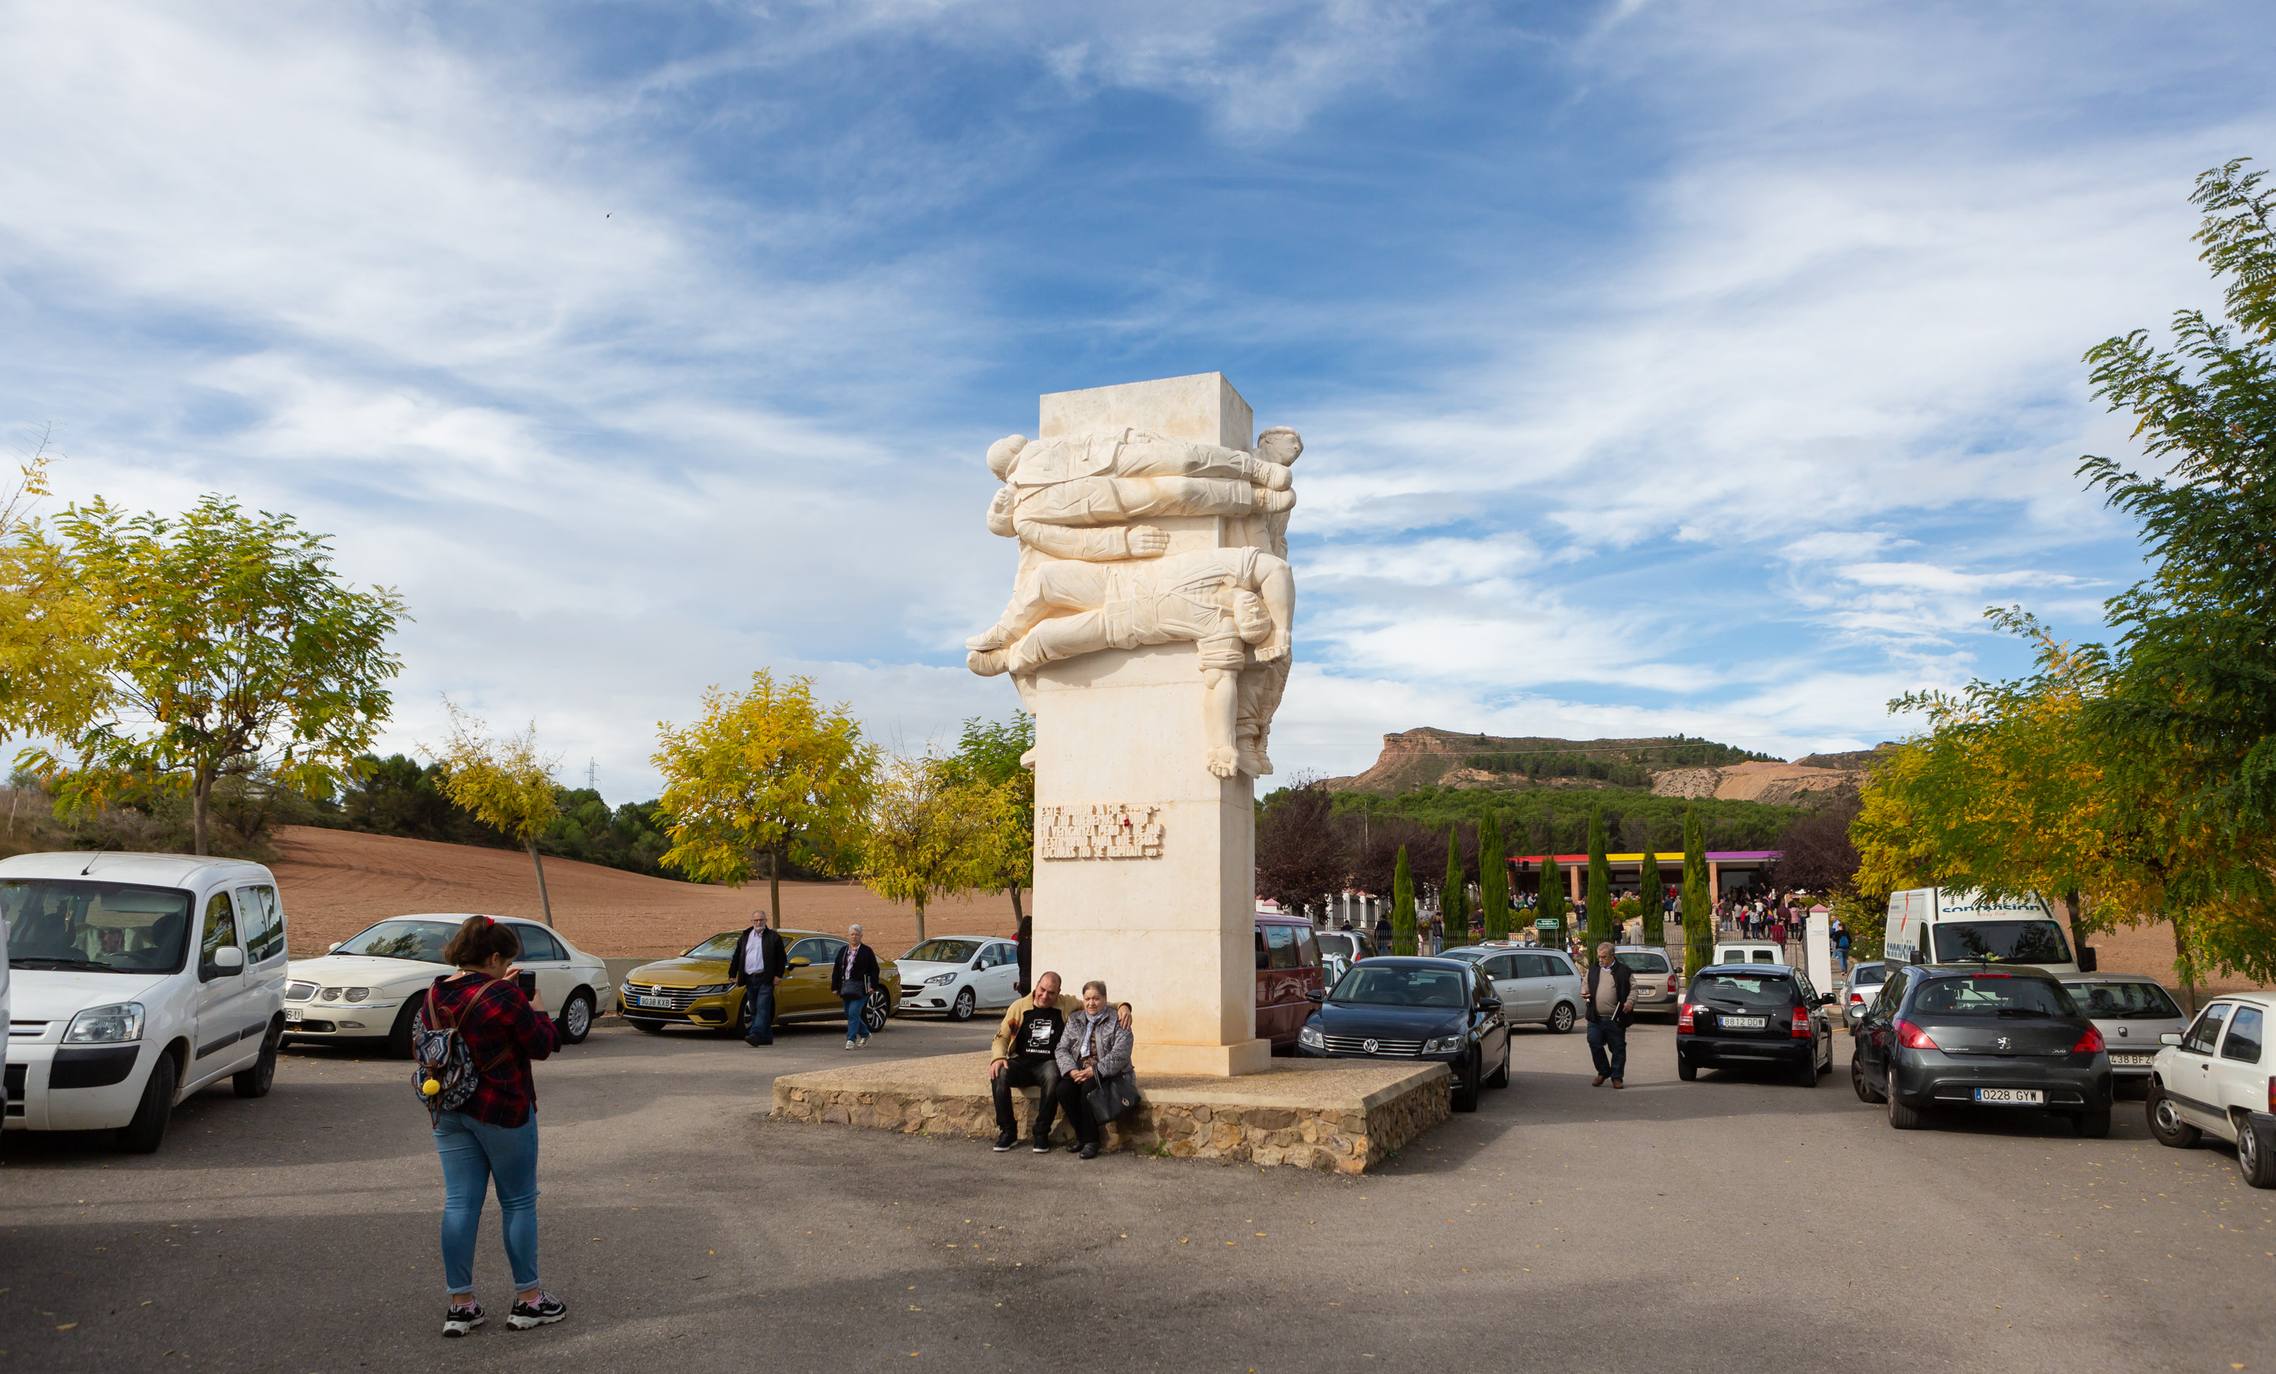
[2131, 1011]
[1983, 1036]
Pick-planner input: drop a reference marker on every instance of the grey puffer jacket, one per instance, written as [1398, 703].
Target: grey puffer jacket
[1110, 1043]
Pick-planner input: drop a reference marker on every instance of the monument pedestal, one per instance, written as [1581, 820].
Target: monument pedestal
[1145, 861]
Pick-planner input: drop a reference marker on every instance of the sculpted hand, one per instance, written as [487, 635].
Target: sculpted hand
[1273, 649]
[1147, 542]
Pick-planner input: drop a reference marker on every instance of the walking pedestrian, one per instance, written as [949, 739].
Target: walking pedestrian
[488, 1135]
[758, 960]
[852, 978]
[1611, 1000]
[1838, 933]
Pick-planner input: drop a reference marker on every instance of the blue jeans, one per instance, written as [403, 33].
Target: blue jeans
[473, 1153]
[758, 999]
[1608, 1046]
[854, 1027]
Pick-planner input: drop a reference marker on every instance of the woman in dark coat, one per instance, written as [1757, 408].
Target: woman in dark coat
[853, 977]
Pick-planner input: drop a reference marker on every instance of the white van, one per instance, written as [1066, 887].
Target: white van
[1937, 925]
[137, 980]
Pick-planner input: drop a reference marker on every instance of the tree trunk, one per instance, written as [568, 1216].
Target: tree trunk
[2183, 964]
[201, 789]
[920, 918]
[2073, 903]
[1017, 914]
[544, 902]
[774, 885]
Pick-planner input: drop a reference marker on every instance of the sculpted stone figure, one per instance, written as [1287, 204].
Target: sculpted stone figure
[1094, 577]
[1231, 604]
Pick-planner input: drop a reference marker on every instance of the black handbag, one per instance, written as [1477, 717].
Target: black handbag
[1109, 1098]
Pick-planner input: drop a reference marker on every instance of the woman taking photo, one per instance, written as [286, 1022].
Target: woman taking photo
[853, 977]
[490, 1135]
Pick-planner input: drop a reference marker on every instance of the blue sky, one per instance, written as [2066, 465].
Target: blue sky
[1663, 367]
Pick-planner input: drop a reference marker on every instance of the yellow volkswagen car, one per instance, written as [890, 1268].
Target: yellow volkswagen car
[694, 989]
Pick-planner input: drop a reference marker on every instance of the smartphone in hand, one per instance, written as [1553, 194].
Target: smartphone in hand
[526, 981]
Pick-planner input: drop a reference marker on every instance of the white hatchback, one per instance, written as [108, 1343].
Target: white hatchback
[136, 980]
[2218, 1078]
[369, 986]
[959, 975]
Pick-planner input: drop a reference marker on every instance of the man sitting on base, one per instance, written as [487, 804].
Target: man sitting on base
[1026, 1041]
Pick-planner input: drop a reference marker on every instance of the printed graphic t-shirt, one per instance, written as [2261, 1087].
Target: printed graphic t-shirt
[1039, 1033]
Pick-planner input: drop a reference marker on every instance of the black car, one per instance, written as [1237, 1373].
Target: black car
[1979, 1035]
[1754, 1016]
[1410, 1008]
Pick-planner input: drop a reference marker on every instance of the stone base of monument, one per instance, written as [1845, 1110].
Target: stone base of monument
[1338, 1115]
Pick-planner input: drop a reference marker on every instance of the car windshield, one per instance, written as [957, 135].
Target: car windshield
[1992, 994]
[1642, 961]
[2009, 942]
[717, 947]
[943, 951]
[94, 927]
[1335, 943]
[1743, 990]
[2124, 1001]
[420, 940]
[1377, 986]
[1866, 975]
[1466, 955]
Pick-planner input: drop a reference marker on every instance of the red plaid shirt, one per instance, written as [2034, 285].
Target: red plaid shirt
[503, 1033]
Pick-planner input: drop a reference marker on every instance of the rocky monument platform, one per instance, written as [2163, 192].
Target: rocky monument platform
[1337, 1115]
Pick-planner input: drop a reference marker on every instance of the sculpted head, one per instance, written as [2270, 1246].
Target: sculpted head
[1003, 451]
[1281, 445]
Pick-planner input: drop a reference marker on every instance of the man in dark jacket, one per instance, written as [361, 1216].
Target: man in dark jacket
[1611, 1001]
[758, 960]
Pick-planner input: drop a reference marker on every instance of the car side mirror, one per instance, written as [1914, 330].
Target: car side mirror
[2087, 962]
[2170, 1038]
[1492, 1004]
[1315, 995]
[1825, 999]
[334, 947]
[225, 961]
[801, 962]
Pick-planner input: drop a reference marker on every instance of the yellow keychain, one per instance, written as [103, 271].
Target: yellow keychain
[430, 1087]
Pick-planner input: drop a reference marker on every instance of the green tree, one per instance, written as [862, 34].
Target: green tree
[930, 834]
[995, 753]
[1403, 907]
[1553, 898]
[1654, 899]
[1599, 884]
[503, 783]
[1493, 879]
[230, 647]
[51, 648]
[768, 773]
[1454, 895]
[1698, 905]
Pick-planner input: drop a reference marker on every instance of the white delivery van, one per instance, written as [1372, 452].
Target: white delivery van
[136, 980]
[1940, 925]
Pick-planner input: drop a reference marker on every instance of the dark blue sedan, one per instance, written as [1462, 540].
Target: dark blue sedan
[1410, 1008]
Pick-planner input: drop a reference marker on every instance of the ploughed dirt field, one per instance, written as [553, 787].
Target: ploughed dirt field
[336, 882]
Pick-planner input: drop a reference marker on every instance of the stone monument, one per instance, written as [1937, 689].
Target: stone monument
[1148, 633]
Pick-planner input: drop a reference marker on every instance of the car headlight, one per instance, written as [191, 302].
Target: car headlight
[356, 994]
[939, 978]
[1445, 1044]
[1310, 1035]
[115, 1024]
[709, 989]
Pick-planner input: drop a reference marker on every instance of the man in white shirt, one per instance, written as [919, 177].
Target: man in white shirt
[758, 960]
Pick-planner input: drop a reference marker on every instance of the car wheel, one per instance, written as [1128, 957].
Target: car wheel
[1902, 1117]
[642, 1023]
[147, 1131]
[256, 1081]
[876, 1012]
[2165, 1119]
[2093, 1123]
[1466, 1087]
[1501, 1075]
[1686, 1070]
[1809, 1074]
[577, 1018]
[1857, 1083]
[1561, 1020]
[2254, 1159]
[962, 1008]
[399, 1035]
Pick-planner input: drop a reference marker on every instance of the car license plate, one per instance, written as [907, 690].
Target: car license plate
[664, 1002]
[2028, 1097]
[1746, 1022]
[2133, 1060]
[293, 1015]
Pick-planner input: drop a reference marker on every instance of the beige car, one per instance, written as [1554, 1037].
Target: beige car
[1657, 987]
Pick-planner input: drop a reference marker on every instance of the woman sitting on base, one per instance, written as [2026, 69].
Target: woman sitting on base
[1094, 1065]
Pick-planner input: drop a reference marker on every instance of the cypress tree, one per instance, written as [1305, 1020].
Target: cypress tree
[1553, 898]
[1655, 901]
[1493, 879]
[1402, 906]
[1454, 894]
[1698, 920]
[1599, 884]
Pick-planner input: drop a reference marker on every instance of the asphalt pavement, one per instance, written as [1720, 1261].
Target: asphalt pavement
[1730, 1224]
